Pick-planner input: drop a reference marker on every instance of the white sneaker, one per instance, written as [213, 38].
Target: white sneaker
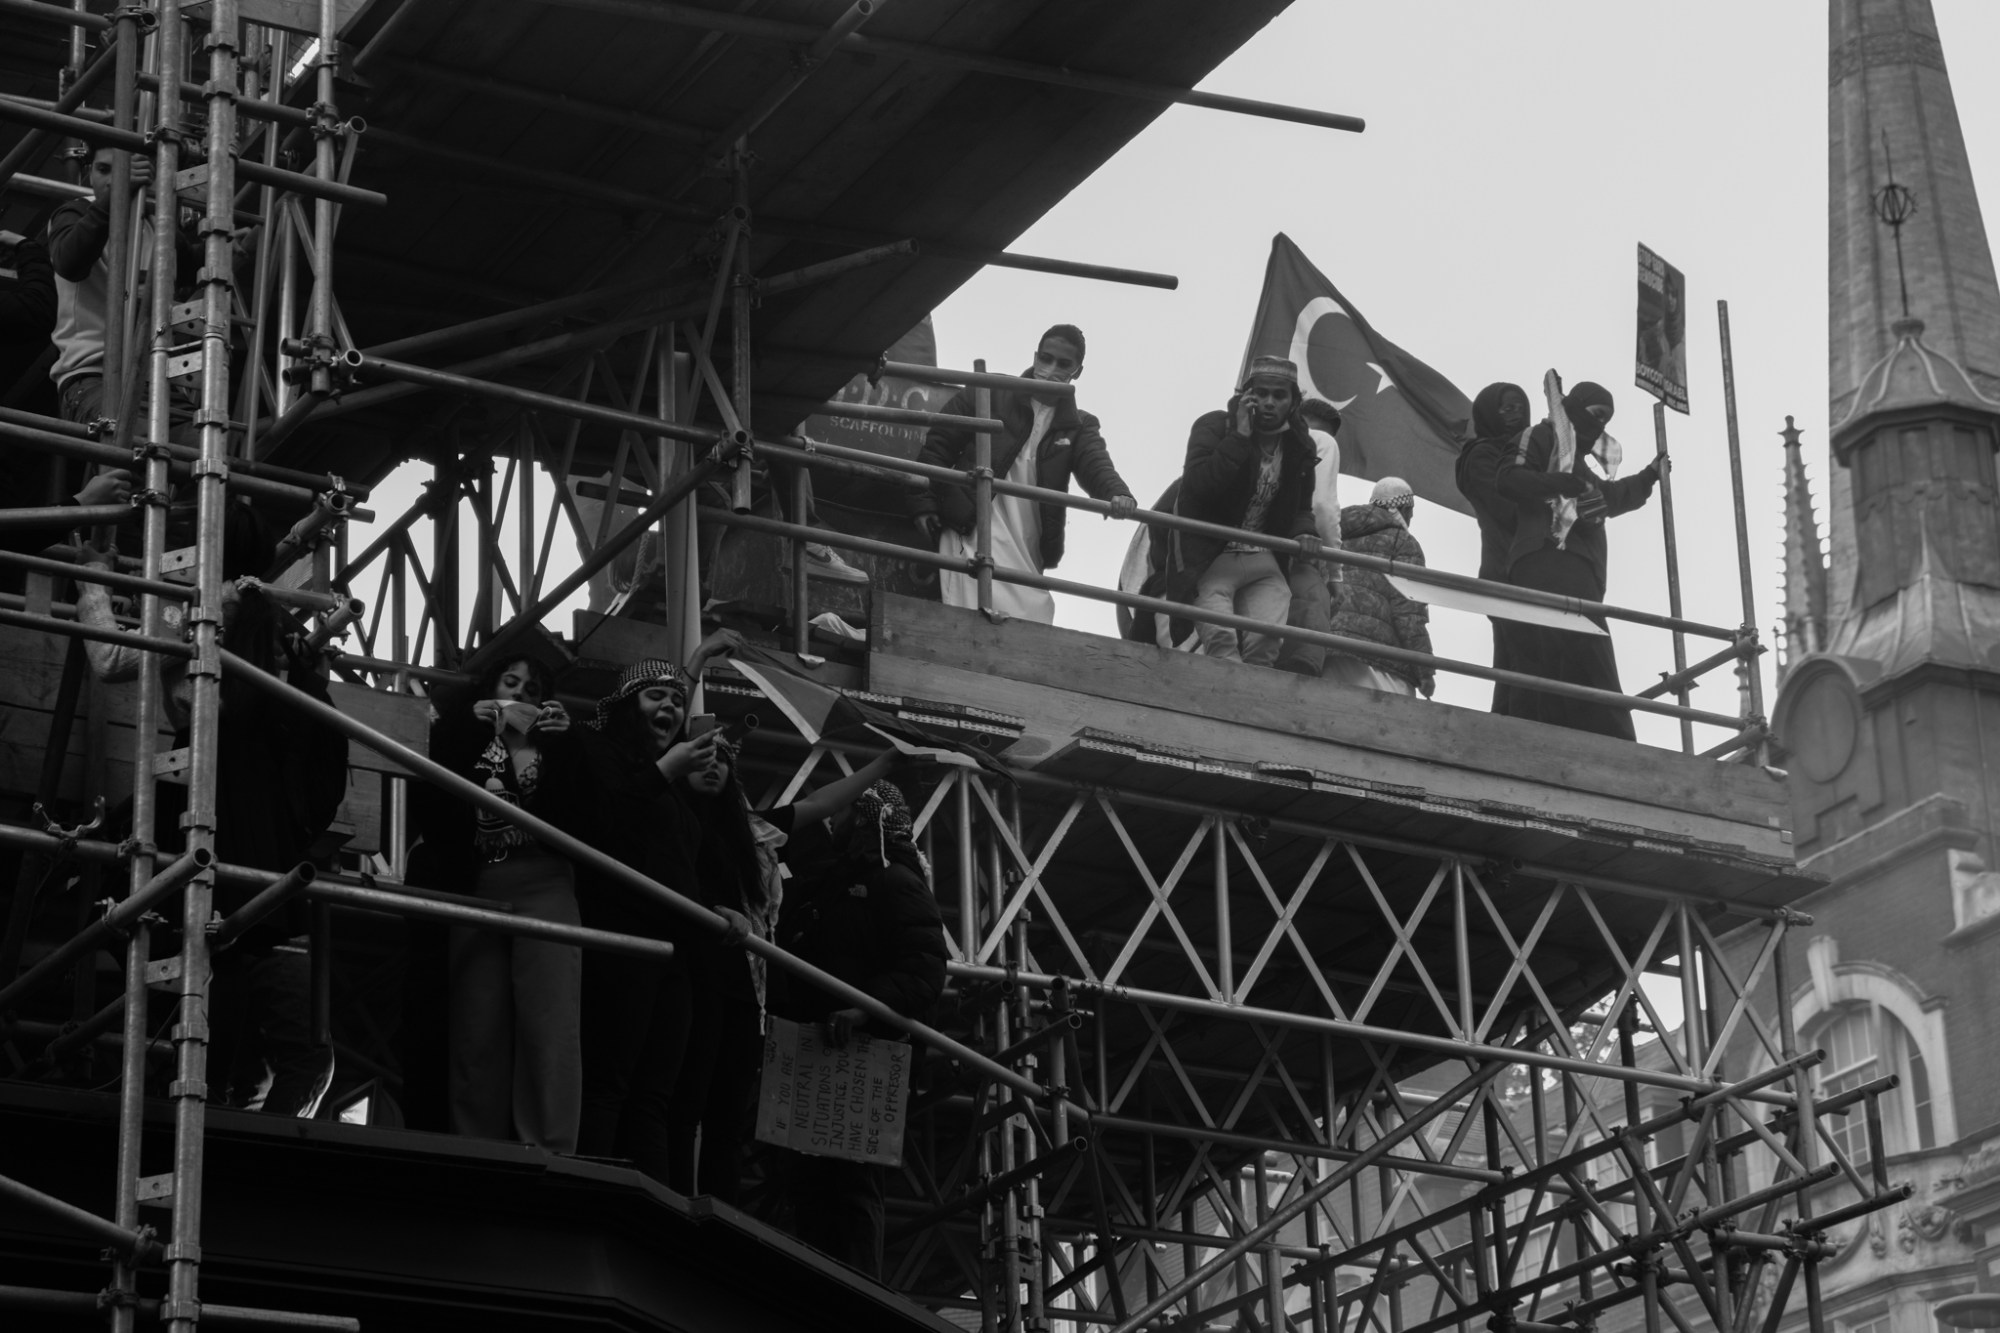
[823, 562]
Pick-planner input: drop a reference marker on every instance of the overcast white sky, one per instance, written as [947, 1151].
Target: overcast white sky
[1486, 221]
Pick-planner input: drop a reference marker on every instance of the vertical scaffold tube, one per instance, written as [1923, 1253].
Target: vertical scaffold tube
[118, 242]
[182, 1310]
[325, 128]
[982, 494]
[739, 325]
[1805, 1123]
[153, 539]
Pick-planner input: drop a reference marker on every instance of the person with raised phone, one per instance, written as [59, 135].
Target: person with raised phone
[1047, 441]
[637, 1012]
[514, 1070]
[1251, 466]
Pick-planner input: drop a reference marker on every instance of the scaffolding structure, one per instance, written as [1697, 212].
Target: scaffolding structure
[1415, 1145]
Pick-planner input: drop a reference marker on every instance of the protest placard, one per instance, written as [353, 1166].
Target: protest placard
[849, 1103]
[1662, 354]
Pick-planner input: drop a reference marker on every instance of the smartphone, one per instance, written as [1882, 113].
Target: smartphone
[700, 725]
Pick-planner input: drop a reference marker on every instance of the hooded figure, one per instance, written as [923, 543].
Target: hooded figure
[1560, 503]
[1500, 417]
[864, 912]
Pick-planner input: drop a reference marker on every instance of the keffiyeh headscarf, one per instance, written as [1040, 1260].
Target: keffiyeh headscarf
[883, 830]
[1575, 428]
[641, 675]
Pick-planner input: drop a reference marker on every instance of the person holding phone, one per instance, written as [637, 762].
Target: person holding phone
[514, 1068]
[637, 1012]
[1251, 466]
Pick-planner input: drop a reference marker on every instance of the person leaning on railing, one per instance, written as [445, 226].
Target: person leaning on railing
[741, 876]
[1047, 441]
[859, 907]
[1559, 546]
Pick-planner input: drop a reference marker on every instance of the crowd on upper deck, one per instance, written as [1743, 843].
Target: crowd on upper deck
[1267, 463]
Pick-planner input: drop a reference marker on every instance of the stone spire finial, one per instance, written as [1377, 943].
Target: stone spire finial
[1805, 562]
[1887, 84]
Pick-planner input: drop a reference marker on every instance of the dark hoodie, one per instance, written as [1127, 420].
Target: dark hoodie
[1525, 480]
[1370, 606]
[1479, 477]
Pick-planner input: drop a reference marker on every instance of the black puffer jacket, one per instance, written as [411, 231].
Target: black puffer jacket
[871, 925]
[1073, 447]
[1217, 480]
[1370, 606]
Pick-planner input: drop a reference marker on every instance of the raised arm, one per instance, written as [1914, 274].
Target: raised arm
[834, 797]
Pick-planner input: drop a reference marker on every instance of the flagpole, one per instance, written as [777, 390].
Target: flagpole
[1673, 563]
[1752, 677]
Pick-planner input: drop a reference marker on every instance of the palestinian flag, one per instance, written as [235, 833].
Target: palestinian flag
[824, 712]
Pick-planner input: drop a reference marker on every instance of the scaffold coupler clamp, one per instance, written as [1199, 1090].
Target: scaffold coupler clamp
[70, 834]
[1791, 916]
[141, 15]
[878, 370]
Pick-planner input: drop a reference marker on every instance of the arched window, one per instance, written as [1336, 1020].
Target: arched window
[1863, 1042]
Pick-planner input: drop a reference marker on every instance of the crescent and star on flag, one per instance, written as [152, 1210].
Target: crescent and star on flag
[1309, 316]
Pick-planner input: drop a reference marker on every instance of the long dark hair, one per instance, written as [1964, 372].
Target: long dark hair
[628, 732]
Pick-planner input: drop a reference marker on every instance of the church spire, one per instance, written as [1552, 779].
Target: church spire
[1890, 98]
[1805, 564]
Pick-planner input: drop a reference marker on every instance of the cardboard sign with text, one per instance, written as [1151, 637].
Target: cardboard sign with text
[848, 1103]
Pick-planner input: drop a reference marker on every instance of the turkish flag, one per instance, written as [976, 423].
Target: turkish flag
[1398, 417]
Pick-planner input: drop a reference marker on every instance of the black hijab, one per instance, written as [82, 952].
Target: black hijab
[1577, 402]
[1486, 423]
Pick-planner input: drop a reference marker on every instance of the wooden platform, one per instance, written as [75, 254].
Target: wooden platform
[1078, 693]
[430, 1232]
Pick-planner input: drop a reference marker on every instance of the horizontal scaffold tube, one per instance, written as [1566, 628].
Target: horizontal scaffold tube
[309, 483]
[78, 630]
[1027, 777]
[132, 583]
[160, 887]
[1283, 545]
[88, 1306]
[1161, 606]
[105, 136]
[240, 478]
[1425, 1041]
[980, 379]
[979, 62]
[590, 858]
[136, 1246]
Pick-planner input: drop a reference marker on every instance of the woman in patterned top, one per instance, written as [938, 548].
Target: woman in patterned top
[515, 1071]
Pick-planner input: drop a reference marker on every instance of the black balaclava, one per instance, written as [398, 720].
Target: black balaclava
[1486, 410]
[1576, 403]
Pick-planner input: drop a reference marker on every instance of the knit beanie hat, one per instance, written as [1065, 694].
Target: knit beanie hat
[641, 675]
[1393, 493]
